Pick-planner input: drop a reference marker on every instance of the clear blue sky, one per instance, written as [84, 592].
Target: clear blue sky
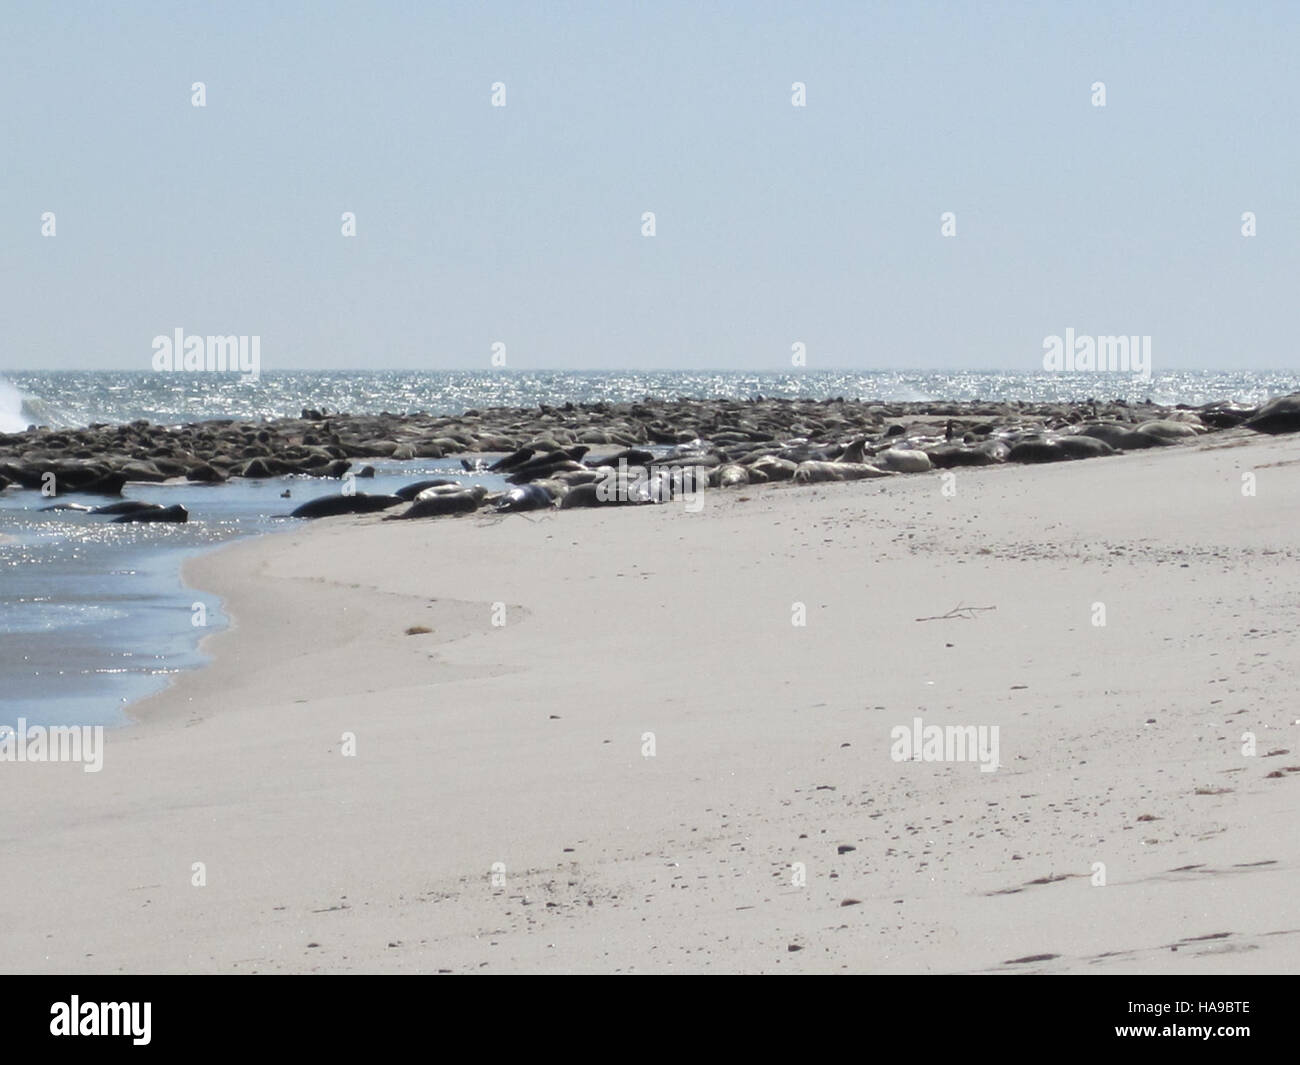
[775, 224]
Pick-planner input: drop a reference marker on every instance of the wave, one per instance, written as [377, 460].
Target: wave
[20, 407]
[14, 415]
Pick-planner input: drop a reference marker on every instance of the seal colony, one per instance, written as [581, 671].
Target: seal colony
[663, 449]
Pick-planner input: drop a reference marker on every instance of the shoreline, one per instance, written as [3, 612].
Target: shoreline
[523, 743]
[135, 713]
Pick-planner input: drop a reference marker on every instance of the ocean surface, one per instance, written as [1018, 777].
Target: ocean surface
[85, 397]
[94, 616]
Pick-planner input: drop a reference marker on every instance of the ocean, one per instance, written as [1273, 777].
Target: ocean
[94, 616]
[86, 397]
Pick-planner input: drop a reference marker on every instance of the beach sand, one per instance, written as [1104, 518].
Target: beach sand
[523, 744]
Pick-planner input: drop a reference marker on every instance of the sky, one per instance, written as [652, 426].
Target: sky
[775, 225]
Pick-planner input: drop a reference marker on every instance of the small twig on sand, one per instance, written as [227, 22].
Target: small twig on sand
[965, 613]
[546, 515]
[495, 519]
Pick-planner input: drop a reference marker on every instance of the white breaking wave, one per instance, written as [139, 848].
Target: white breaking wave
[13, 415]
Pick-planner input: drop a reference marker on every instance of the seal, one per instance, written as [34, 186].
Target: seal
[440, 490]
[632, 456]
[1052, 448]
[1083, 447]
[1279, 415]
[543, 473]
[607, 492]
[996, 450]
[1223, 414]
[1043, 450]
[410, 491]
[730, 476]
[819, 472]
[586, 495]
[1168, 431]
[808, 453]
[1113, 433]
[548, 463]
[773, 468]
[126, 506]
[433, 503]
[571, 478]
[666, 483]
[175, 513]
[856, 452]
[359, 503]
[515, 458]
[902, 460]
[946, 456]
[527, 497]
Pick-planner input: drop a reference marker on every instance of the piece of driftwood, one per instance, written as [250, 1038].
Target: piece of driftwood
[965, 613]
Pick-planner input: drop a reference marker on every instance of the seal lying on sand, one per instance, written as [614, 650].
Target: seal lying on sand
[527, 497]
[1278, 415]
[774, 468]
[632, 456]
[433, 503]
[1113, 433]
[1155, 433]
[902, 460]
[1053, 448]
[730, 476]
[986, 453]
[176, 513]
[359, 503]
[1168, 430]
[410, 491]
[817, 472]
[586, 495]
[856, 452]
[1083, 447]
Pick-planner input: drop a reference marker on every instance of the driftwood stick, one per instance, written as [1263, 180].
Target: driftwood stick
[965, 613]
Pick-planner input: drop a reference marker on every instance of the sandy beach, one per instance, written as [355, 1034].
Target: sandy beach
[676, 778]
